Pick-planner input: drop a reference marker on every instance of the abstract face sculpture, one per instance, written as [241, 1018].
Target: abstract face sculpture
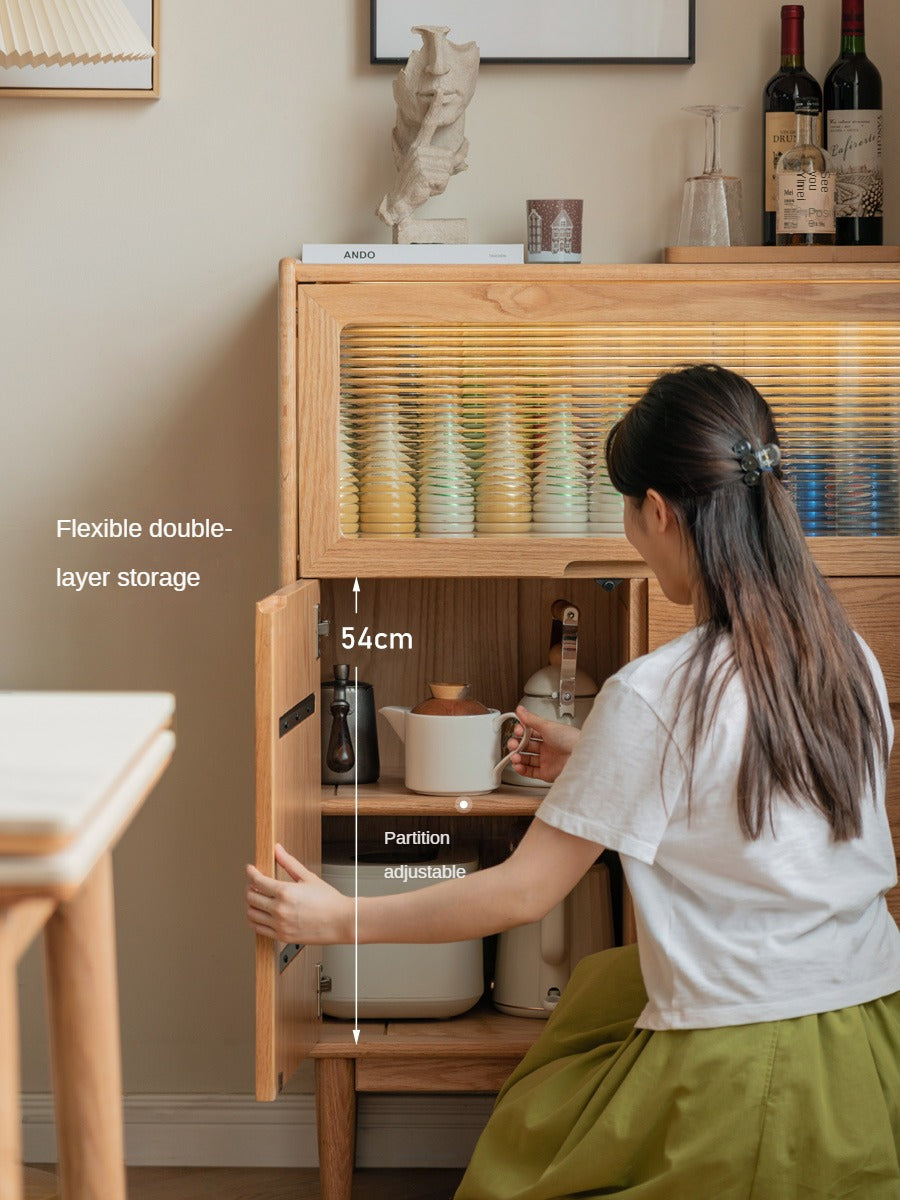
[429, 144]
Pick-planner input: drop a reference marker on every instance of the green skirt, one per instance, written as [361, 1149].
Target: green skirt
[799, 1109]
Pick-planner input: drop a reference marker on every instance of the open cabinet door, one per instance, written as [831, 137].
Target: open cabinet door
[288, 810]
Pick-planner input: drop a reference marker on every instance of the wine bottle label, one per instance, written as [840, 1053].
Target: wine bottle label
[854, 143]
[805, 202]
[781, 134]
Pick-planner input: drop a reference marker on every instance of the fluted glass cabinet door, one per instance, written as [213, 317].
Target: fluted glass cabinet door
[450, 426]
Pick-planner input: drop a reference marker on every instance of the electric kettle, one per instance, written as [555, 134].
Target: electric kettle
[349, 736]
[561, 691]
[534, 961]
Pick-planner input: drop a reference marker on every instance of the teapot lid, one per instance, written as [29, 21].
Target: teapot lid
[450, 700]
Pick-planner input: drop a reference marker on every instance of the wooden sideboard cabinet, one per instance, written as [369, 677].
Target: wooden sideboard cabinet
[490, 364]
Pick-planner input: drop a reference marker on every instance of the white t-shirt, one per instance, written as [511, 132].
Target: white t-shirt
[730, 931]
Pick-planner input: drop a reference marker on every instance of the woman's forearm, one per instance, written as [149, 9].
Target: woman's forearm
[475, 905]
[543, 869]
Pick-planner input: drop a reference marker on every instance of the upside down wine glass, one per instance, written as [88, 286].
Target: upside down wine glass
[711, 213]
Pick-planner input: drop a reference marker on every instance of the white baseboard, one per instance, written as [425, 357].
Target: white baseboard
[236, 1131]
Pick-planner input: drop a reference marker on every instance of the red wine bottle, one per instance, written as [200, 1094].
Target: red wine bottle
[853, 132]
[792, 82]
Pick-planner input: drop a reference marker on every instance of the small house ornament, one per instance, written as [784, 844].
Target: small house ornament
[554, 230]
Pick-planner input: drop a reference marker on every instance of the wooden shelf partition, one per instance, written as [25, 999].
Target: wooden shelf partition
[389, 797]
[482, 1028]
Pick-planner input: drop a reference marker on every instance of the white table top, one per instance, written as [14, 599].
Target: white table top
[70, 763]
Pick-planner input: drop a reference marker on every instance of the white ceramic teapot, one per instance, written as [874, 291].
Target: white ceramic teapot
[452, 744]
[561, 691]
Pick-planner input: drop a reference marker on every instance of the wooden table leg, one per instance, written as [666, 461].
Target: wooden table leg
[21, 920]
[336, 1126]
[82, 993]
[10, 1116]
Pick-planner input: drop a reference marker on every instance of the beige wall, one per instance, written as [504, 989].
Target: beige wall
[137, 306]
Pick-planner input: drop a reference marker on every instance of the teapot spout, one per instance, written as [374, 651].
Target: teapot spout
[397, 717]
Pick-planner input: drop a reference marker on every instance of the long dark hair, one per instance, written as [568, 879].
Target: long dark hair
[815, 718]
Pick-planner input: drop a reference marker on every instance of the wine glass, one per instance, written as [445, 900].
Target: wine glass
[712, 213]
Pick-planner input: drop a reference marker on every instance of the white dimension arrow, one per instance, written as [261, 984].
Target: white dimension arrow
[356, 849]
[356, 595]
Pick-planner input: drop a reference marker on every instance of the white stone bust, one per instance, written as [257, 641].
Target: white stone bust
[429, 143]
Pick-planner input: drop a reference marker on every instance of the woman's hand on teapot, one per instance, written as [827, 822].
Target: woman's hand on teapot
[548, 748]
[302, 909]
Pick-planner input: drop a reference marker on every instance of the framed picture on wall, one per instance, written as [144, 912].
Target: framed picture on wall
[542, 31]
[115, 80]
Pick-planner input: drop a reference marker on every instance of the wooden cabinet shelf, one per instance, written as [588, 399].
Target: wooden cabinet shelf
[568, 557]
[483, 1028]
[474, 1052]
[389, 797]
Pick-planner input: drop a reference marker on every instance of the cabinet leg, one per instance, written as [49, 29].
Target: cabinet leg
[10, 1122]
[336, 1125]
[82, 992]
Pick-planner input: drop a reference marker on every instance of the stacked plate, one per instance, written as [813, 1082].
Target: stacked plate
[503, 472]
[560, 489]
[387, 486]
[809, 476]
[867, 494]
[446, 502]
[349, 485]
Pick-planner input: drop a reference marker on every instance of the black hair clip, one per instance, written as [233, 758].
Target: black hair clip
[754, 462]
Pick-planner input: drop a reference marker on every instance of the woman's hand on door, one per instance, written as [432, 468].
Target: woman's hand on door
[302, 909]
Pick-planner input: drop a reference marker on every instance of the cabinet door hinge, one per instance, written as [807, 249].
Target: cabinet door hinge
[323, 630]
[287, 954]
[323, 984]
[294, 716]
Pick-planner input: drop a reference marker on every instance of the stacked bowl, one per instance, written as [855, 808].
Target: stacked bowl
[604, 502]
[387, 482]
[560, 489]
[503, 473]
[446, 500]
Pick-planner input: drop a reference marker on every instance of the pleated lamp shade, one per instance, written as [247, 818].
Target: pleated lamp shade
[35, 33]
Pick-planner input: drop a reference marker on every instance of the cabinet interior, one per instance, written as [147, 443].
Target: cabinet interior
[492, 634]
[489, 633]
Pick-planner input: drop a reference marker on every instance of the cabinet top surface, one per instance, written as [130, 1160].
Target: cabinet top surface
[590, 273]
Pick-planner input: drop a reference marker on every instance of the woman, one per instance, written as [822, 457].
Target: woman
[752, 1051]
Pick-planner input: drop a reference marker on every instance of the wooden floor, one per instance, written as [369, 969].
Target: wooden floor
[224, 1183]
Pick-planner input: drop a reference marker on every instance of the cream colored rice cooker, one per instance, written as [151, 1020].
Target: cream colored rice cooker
[401, 980]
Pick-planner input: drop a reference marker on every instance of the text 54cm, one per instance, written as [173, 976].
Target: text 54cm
[367, 639]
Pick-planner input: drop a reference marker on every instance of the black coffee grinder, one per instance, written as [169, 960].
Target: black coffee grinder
[349, 736]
